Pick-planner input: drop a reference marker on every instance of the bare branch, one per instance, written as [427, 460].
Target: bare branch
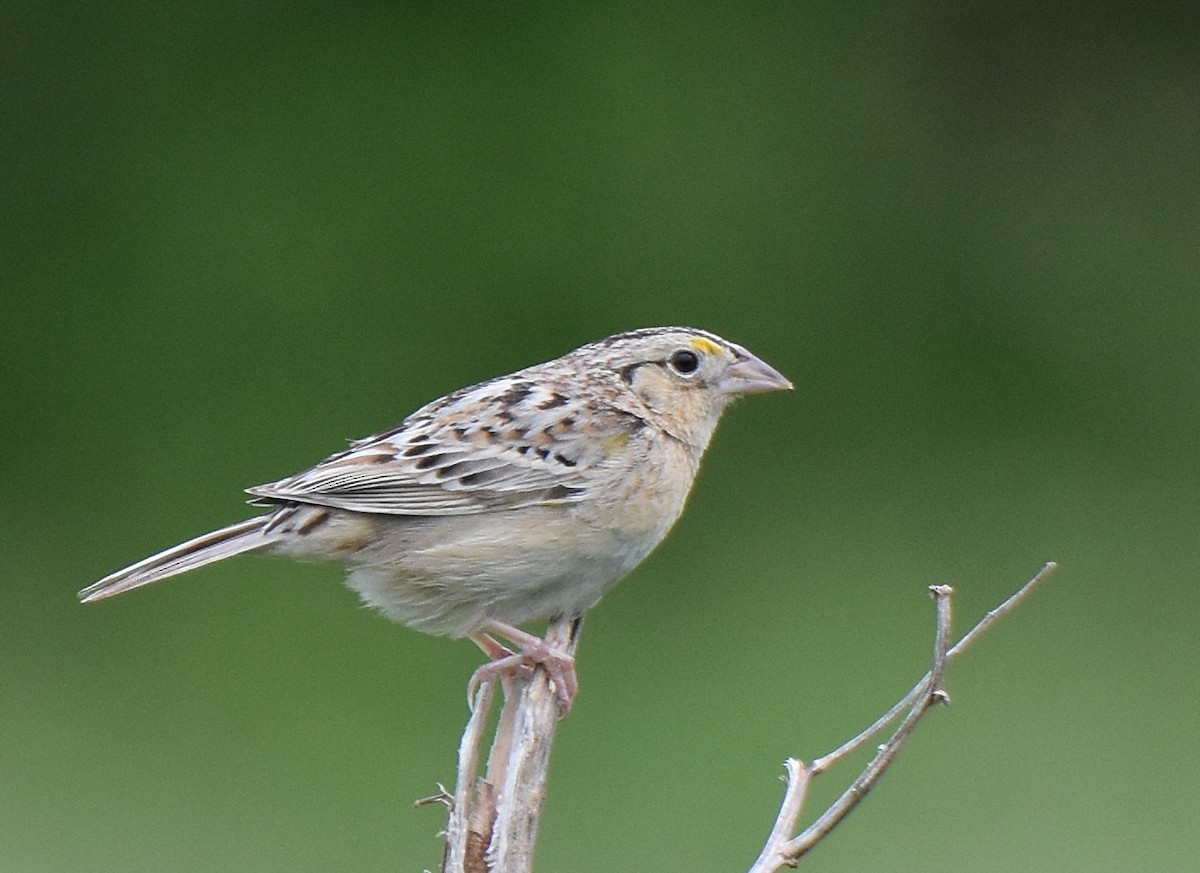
[524, 786]
[828, 760]
[797, 779]
[1003, 609]
[852, 796]
[493, 823]
[462, 840]
[780, 851]
[941, 643]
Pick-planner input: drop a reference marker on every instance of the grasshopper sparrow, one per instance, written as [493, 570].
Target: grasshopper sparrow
[525, 497]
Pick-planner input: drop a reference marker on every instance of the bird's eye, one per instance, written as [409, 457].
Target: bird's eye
[684, 362]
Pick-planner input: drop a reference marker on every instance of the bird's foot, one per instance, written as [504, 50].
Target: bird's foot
[533, 652]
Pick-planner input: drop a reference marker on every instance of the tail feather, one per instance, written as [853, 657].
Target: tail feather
[245, 536]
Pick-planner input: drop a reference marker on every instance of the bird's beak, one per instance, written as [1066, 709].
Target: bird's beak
[750, 375]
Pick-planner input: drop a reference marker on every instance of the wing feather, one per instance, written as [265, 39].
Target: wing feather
[503, 444]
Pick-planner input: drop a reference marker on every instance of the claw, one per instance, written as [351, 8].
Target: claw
[534, 652]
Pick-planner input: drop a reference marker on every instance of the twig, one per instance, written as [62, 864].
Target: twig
[828, 760]
[797, 779]
[780, 851]
[1003, 609]
[790, 851]
[493, 825]
[463, 836]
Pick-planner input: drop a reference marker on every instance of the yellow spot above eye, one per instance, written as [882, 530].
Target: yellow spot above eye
[703, 344]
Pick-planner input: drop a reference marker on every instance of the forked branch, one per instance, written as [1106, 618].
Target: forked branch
[784, 850]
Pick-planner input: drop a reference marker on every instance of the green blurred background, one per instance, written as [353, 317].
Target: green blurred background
[236, 234]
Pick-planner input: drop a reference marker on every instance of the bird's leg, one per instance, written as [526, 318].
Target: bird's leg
[497, 652]
[492, 647]
[533, 652]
